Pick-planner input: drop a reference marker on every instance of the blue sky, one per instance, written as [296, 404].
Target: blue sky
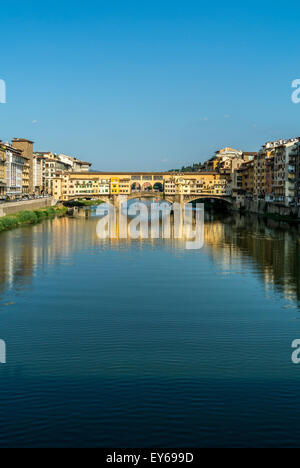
[148, 85]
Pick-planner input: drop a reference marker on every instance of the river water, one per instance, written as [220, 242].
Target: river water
[143, 343]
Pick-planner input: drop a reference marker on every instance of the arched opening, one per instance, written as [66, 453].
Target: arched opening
[147, 187]
[213, 199]
[211, 203]
[158, 187]
[136, 187]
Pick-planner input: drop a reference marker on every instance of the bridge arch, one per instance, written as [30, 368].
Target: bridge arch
[158, 187]
[146, 194]
[193, 198]
[136, 187]
[147, 187]
[76, 198]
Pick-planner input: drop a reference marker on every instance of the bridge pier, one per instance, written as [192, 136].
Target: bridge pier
[117, 200]
[179, 198]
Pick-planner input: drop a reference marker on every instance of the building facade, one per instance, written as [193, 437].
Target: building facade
[26, 178]
[94, 184]
[14, 168]
[38, 167]
[26, 147]
[272, 173]
[2, 171]
[46, 164]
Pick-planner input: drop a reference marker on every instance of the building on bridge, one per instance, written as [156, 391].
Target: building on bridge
[68, 186]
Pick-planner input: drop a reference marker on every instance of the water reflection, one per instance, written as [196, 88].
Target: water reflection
[140, 343]
[272, 246]
[230, 240]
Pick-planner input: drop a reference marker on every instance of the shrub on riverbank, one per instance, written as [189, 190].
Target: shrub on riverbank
[29, 217]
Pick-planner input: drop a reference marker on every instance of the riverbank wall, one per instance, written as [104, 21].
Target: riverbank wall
[265, 208]
[27, 217]
[28, 205]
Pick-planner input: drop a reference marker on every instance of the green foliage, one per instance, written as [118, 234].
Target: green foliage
[197, 167]
[8, 222]
[30, 217]
[82, 203]
[40, 214]
[27, 217]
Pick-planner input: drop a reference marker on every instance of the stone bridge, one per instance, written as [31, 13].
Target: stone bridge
[172, 187]
[159, 196]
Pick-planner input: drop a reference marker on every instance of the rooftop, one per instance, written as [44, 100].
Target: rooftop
[143, 173]
[22, 140]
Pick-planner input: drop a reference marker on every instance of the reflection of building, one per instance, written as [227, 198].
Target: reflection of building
[241, 238]
[232, 243]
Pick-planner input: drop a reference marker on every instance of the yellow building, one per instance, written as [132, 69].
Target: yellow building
[260, 175]
[125, 186]
[115, 185]
[212, 164]
[78, 185]
[26, 178]
[261, 170]
[246, 173]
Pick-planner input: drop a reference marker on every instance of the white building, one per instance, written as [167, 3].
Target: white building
[104, 187]
[15, 163]
[75, 165]
[38, 173]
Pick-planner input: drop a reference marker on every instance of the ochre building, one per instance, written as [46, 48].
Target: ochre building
[68, 186]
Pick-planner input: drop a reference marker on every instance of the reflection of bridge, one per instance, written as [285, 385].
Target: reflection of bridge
[172, 187]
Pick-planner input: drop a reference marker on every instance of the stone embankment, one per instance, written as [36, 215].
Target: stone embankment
[265, 208]
[28, 205]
